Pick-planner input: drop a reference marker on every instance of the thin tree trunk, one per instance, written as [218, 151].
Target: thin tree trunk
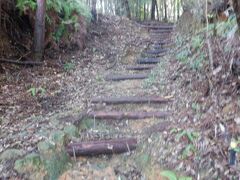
[208, 39]
[126, 4]
[157, 10]
[101, 6]
[94, 10]
[153, 9]
[144, 11]
[0, 12]
[39, 30]
[178, 9]
[165, 11]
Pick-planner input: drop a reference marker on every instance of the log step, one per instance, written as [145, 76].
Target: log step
[131, 100]
[155, 51]
[157, 31]
[158, 27]
[116, 115]
[140, 67]
[125, 77]
[148, 60]
[94, 148]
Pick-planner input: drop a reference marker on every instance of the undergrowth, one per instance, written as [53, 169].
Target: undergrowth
[191, 48]
[67, 12]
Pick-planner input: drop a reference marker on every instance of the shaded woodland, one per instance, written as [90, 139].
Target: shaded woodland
[119, 89]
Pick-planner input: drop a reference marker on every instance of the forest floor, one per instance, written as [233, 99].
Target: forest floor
[192, 141]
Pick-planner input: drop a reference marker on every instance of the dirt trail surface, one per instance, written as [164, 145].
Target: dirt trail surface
[182, 140]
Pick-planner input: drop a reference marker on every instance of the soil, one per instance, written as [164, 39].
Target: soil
[193, 141]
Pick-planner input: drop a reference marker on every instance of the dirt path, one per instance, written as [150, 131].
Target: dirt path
[140, 163]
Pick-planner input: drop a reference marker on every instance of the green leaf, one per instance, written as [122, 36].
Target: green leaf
[174, 130]
[41, 90]
[169, 174]
[33, 91]
[179, 136]
[190, 137]
[188, 150]
[184, 178]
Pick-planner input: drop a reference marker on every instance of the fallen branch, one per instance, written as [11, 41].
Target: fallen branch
[31, 63]
[140, 67]
[133, 100]
[94, 148]
[115, 115]
[125, 77]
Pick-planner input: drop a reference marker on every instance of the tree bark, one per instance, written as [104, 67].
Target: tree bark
[236, 7]
[94, 148]
[126, 4]
[39, 30]
[165, 11]
[94, 10]
[144, 11]
[153, 9]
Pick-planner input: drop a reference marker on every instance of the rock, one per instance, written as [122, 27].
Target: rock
[237, 120]
[71, 131]
[10, 154]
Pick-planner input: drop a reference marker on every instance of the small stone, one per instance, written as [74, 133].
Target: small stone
[237, 120]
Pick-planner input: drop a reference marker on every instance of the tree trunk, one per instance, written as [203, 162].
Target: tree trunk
[153, 9]
[165, 11]
[39, 30]
[94, 10]
[157, 11]
[126, 4]
[178, 9]
[236, 7]
[144, 11]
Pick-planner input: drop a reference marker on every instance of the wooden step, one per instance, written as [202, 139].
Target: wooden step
[155, 51]
[140, 67]
[122, 77]
[131, 100]
[148, 60]
[157, 31]
[159, 27]
[93, 148]
[117, 115]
